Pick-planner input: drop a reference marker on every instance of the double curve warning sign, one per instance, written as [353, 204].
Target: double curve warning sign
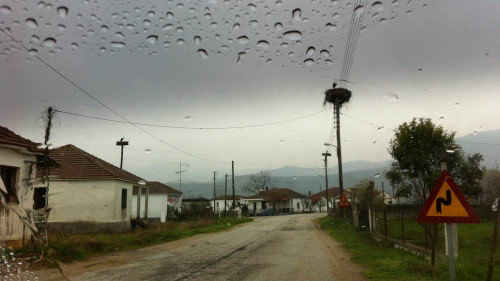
[446, 204]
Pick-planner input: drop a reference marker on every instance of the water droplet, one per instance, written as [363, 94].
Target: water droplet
[120, 35]
[31, 23]
[35, 39]
[380, 128]
[475, 133]
[104, 28]
[253, 23]
[208, 16]
[179, 29]
[74, 46]
[377, 175]
[61, 27]
[148, 150]
[324, 53]
[293, 35]
[309, 62]
[151, 39]
[62, 11]
[4, 9]
[102, 49]
[392, 97]
[203, 53]
[358, 10]
[151, 14]
[278, 26]
[168, 26]
[263, 44]
[420, 69]
[252, 7]
[118, 44]
[169, 15]
[213, 25]
[378, 6]
[180, 41]
[49, 42]
[331, 26]
[197, 40]
[328, 61]
[243, 39]
[146, 22]
[297, 14]
[240, 57]
[310, 51]
[33, 51]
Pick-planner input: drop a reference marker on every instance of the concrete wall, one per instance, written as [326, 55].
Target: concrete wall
[11, 228]
[89, 201]
[157, 206]
[142, 206]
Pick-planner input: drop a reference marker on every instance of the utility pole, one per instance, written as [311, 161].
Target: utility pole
[225, 195]
[121, 143]
[326, 155]
[214, 194]
[180, 175]
[232, 183]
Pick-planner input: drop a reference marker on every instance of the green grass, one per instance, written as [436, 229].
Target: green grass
[383, 262]
[69, 248]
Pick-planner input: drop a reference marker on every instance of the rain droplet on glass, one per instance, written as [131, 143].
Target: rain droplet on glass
[31, 23]
[62, 11]
[310, 51]
[309, 62]
[203, 53]
[293, 35]
[151, 39]
[49, 42]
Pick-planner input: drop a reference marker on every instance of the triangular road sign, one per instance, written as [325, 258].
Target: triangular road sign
[446, 204]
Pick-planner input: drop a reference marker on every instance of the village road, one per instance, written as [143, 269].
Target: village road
[286, 247]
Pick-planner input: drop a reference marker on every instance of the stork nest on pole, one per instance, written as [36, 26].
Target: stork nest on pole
[337, 95]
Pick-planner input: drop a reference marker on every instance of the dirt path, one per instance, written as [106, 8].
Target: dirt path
[271, 248]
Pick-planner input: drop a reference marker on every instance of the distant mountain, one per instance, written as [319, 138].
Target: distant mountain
[487, 143]
[303, 179]
[293, 171]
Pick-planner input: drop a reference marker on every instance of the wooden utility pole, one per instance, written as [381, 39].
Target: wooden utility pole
[215, 195]
[121, 143]
[326, 155]
[232, 183]
[225, 195]
[493, 248]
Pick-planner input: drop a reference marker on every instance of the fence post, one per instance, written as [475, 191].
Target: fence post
[493, 248]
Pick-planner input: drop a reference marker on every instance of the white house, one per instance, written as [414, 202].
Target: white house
[88, 194]
[222, 201]
[162, 196]
[281, 200]
[18, 162]
[319, 199]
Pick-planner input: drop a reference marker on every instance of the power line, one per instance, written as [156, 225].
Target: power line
[93, 97]
[260, 125]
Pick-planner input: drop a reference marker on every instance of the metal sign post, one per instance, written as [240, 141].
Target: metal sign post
[451, 239]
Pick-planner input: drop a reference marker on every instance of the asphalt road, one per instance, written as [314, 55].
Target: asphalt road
[270, 248]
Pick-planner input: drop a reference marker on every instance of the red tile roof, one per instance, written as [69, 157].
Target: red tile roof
[158, 187]
[76, 164]
[332, 192]
[279, 194]
[10, 138]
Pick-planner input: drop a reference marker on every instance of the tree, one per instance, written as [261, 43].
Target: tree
[258, 181]
[490, 186]
[418, 148]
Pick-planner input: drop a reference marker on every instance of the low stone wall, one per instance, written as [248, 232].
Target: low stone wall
[404, 245]
[82, 227]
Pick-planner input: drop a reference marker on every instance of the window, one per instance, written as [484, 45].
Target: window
[9, 179]
[298, 205]
[124, 198]
[39, 198]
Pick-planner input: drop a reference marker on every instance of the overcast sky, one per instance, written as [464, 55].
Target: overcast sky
[436, 59]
